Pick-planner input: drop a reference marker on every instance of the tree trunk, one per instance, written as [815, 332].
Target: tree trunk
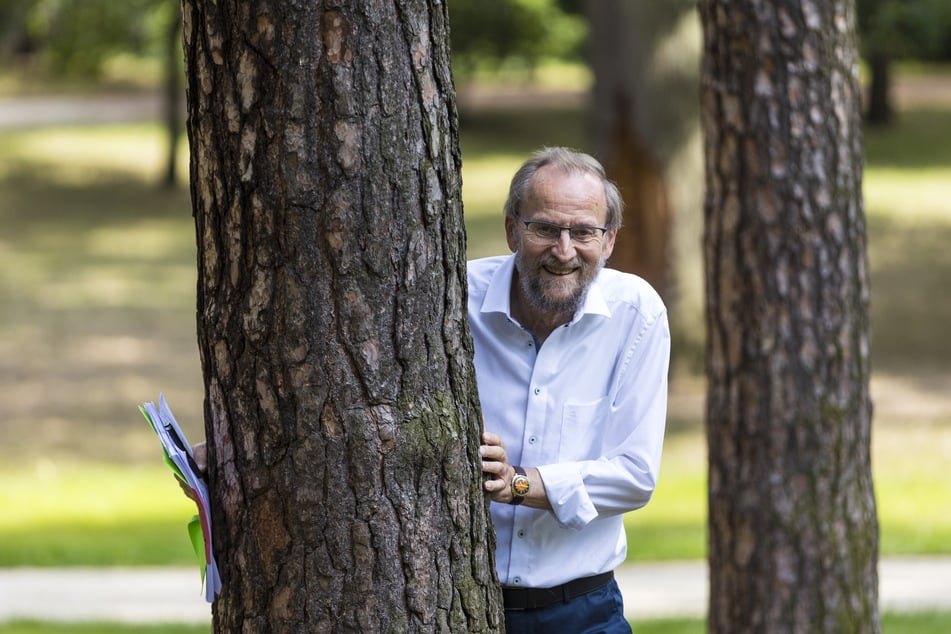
[173, 96]
[341, 409]
[792, 523]
[880, 111]
[645, 56]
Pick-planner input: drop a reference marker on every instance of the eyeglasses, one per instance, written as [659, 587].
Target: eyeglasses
[542, 231]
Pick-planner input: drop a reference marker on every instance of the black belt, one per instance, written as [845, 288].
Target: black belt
[533, 598]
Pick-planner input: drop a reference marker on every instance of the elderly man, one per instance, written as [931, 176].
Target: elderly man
[571, 363]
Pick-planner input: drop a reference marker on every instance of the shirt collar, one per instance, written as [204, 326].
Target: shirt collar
[498, 295]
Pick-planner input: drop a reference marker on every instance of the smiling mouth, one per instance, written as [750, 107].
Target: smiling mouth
[560, 271]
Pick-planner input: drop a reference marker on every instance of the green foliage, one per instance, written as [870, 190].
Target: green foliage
[14, 15]
[905, 29]
[76, 37]
[520, 32]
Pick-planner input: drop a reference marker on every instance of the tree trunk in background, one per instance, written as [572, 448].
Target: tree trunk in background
[341, 408]
[645, 58]
[879, 111]
[173, 96]
[793, 533]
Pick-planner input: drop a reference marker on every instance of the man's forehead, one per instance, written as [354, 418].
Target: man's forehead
[566, 185]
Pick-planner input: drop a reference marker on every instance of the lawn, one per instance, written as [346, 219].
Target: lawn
[97, 283]
[918, 623]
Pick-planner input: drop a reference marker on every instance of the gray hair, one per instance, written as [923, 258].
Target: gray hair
[570, 161]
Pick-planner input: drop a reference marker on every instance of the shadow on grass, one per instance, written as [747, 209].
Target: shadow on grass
[911, 141]
[97, 292]
[521, 131]
[911, 306]
[38, 197]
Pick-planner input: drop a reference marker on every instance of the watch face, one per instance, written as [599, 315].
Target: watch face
[520, 486]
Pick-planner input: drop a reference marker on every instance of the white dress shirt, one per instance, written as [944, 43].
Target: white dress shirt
[588, 409]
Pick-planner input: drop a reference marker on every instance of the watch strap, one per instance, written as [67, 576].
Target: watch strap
[518, 498]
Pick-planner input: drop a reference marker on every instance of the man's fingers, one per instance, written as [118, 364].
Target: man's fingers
[494, 486]
[492, 439]
[201, 456]
[494, 467]
[493, 453]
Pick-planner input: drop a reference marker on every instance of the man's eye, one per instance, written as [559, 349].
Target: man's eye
[583, 233]
[548, 231]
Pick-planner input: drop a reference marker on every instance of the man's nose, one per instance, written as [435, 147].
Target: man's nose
[564, 245]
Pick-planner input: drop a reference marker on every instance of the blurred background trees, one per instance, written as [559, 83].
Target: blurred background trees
[518, 34]
[83, 39]
[893, 30]
[78, 39]
[105, 43]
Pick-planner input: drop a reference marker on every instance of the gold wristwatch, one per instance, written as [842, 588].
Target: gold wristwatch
[520, 486]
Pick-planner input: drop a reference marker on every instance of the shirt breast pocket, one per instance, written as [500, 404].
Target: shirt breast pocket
[582, 428]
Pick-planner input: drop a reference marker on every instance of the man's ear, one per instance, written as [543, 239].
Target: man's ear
[511, 233]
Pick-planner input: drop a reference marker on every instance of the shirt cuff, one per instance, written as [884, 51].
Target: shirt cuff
[567, 495]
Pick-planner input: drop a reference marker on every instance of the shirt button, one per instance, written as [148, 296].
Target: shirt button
[517, 581]
[538, 391]
[532, 440]
[521, 533]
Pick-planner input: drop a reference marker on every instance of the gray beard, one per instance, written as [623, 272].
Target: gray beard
[541, 301]
[535, 293]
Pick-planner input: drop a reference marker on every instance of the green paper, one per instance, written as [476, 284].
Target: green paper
[194, 526]
[171, 463]
[198, 543]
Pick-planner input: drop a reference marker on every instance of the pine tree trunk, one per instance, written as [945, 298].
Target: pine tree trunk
[173, 97]
[644, 117]
[793, 533]
[879, 111]
[341, 410]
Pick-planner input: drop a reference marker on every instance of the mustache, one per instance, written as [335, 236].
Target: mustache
[551, 262]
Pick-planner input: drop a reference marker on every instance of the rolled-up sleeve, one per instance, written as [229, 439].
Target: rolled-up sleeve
[623, 477]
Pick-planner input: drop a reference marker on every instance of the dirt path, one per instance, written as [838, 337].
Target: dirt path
[35, 111]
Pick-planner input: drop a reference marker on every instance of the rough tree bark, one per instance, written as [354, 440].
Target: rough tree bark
[793, 533]
[341, 409]
[645, 121]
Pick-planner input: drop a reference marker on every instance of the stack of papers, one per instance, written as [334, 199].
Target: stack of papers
[181, 460]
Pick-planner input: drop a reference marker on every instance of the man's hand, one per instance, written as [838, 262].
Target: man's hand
[200, 450]
[495, 462]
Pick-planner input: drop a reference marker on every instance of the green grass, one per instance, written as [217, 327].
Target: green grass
[892, 623]
[97, 283]
[45, 627]
[93, 514]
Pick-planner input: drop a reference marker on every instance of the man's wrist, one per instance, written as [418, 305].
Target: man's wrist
[520, 486]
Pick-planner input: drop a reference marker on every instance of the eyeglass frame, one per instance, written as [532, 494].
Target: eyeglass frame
[561, 229]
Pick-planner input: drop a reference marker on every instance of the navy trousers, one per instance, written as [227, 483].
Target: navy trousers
[598, 612]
